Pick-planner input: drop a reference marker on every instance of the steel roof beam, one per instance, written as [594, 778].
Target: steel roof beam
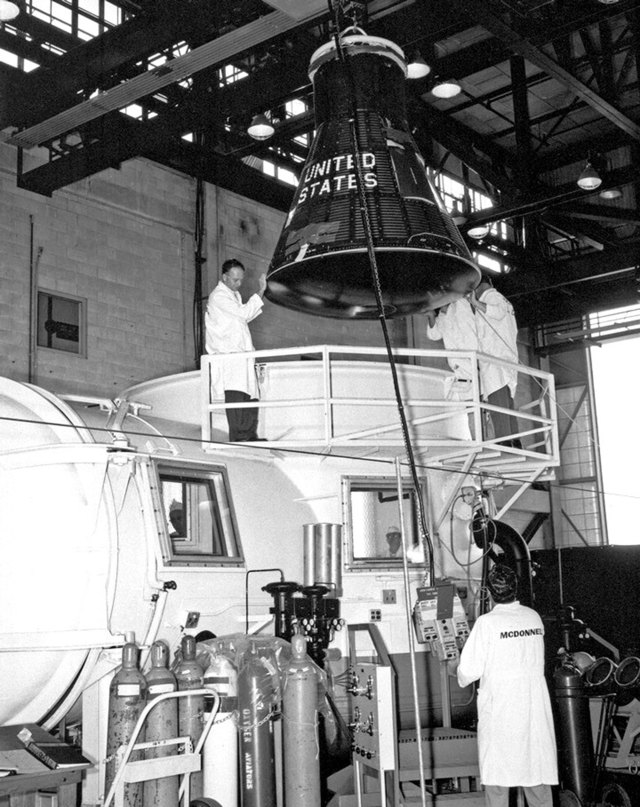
[95, 63]
[152, 81]
[549, 197]
[483, 14]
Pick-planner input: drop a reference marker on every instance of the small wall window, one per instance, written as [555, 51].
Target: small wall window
[373, 523]
[61, 323]
[199, 524]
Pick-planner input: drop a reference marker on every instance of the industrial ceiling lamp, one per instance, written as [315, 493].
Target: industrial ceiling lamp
[446, 89]
[9, 9]
[417, 67]
[589, 179]
[478, 232]
[260, 128]
[610, 193]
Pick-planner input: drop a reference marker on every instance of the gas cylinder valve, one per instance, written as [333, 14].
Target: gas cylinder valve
[355, 689]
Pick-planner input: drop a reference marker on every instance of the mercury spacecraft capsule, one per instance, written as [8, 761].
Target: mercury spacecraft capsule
[365, 164]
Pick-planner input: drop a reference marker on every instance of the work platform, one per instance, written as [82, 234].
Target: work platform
[341, 400]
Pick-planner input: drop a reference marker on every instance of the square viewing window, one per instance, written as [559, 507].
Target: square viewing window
[61, 323]
[199, 526]
[373, 524]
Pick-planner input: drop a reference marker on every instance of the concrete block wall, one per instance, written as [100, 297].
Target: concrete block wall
[122, 241]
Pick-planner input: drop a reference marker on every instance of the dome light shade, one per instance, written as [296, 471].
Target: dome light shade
[611, 193]
[446, 89]
[260, 128]
[478, 231]
[9, 9]
[417, 67]
[589, 179]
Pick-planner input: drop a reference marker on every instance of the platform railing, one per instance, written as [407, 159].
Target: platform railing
[434, 419]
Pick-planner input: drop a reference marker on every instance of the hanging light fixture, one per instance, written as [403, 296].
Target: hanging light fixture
[260, 128]
[9, 9]
[446, 89]
[610, 193]
[589, 179]
[478, 232]
[417, 67]
[364, 193]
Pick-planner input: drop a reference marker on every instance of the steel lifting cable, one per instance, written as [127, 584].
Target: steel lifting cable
[199, 260]
[425, 537]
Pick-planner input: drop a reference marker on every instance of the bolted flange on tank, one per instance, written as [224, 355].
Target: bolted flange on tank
[321, 264]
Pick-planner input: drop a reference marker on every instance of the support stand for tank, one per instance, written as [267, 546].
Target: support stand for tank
[183, 764]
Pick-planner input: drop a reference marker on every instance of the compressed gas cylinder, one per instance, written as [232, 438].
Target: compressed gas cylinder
[300, 729]
[189, 675]
[575, 744]
[255, 723]
[220, 751]
[127, 697]
[161, 724]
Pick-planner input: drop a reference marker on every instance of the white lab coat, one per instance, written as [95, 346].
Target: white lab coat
[457, 328]
[516, 738]
[227, 331]
[497, 336]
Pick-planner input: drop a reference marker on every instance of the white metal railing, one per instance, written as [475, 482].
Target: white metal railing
[342, 397]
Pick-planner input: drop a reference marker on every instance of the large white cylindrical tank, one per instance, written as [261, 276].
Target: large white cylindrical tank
[56, 529]
[84, 558]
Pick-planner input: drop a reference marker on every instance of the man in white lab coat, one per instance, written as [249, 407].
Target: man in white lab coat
[516, 737]
[455, 324]
[227, 331]
[497, 336]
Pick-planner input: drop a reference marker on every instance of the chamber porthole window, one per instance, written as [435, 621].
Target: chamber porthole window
[198, 521]
[373, 523]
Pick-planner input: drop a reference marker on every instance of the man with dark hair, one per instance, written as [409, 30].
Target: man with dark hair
[227, 331]
[516, 738]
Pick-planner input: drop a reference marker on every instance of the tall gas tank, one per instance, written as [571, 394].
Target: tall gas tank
[190, 675]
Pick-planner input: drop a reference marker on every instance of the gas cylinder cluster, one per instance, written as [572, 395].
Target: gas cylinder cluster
[260, 688]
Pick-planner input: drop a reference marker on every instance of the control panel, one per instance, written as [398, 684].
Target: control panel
[373, 730]
[440, 620]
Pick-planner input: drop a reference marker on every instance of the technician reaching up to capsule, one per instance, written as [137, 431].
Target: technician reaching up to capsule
[516, 738]
[227, 332]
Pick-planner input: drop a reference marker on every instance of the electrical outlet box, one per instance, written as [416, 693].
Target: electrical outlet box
[191, 619]
[389, 596]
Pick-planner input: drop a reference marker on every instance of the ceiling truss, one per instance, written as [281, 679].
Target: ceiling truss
[546, 86]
